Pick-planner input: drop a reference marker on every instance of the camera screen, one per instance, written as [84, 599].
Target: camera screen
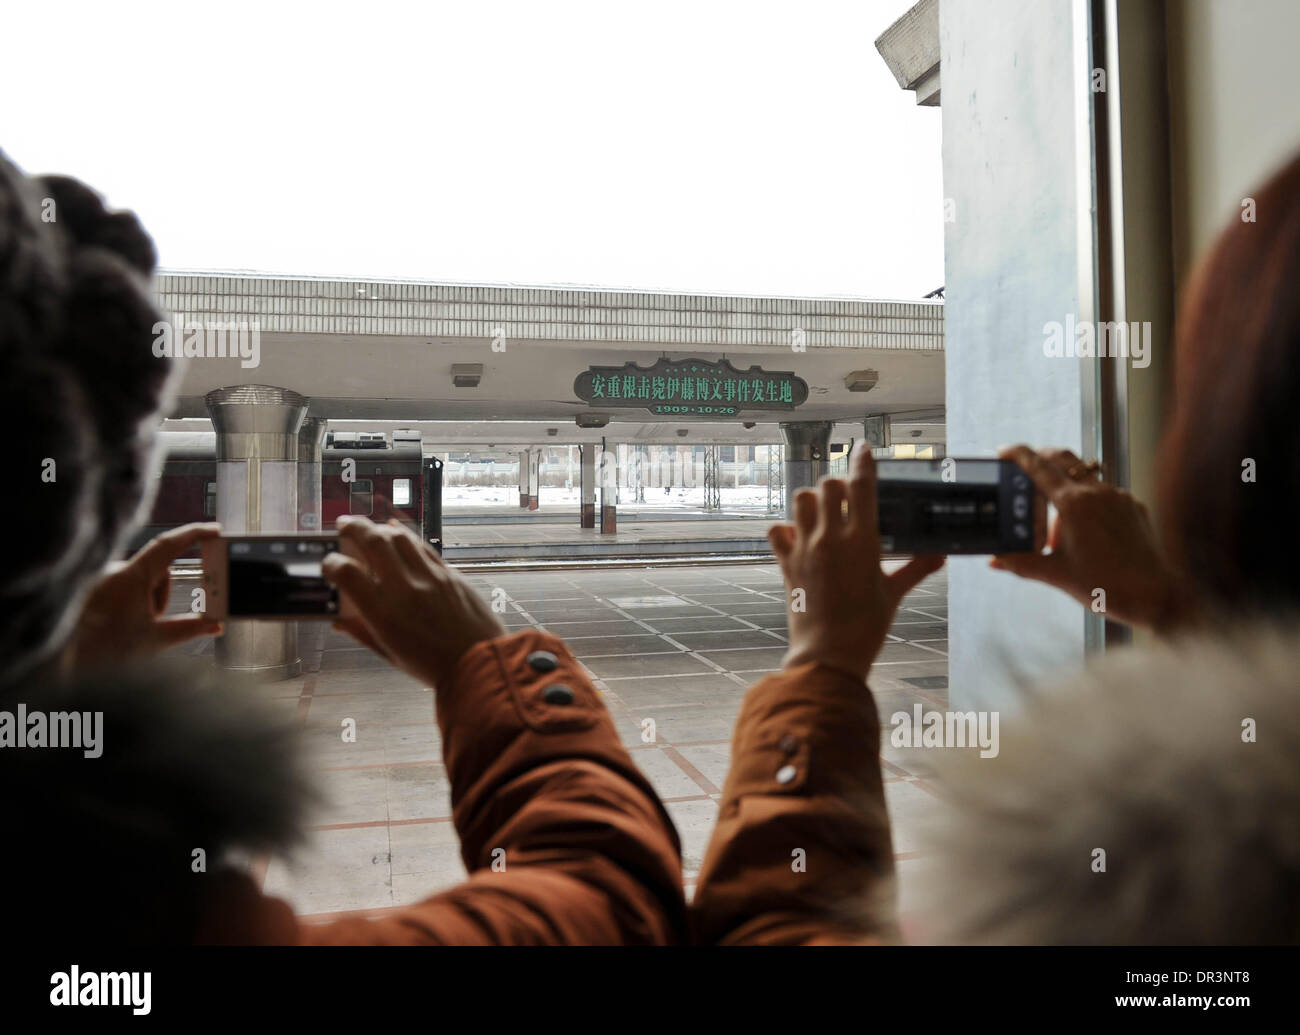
[970, 509]
[280, 577]
[951, 506]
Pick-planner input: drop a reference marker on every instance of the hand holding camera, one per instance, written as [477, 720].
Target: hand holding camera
[405, 602]
[840, 602]
[1102, 539]
[125, 614]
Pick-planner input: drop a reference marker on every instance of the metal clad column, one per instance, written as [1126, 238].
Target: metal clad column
[587, 463]
[310, 468]
[257, 430]
[608, 489]
[807, 445]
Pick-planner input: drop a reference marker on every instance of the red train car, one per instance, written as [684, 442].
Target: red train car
[363, 473]
[187, 484]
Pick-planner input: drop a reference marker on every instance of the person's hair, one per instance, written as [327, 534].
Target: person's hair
[194, 775]
[1152, 801]
[80, 390]
[1236, 382]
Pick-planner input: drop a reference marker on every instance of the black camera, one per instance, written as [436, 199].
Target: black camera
[956, 506]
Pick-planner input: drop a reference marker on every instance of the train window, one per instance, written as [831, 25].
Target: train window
[401, 492]
[210, 499]
[362, 497]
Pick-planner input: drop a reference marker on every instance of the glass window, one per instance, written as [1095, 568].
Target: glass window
[210, 499]
[401, 492]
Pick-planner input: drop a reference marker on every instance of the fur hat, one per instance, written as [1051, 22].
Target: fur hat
[80, 390]
[1151, 801]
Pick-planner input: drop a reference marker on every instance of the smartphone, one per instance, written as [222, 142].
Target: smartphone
[957, 506]
[270, 576]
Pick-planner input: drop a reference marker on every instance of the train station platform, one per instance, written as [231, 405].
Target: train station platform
[557, 537]
[678, 645]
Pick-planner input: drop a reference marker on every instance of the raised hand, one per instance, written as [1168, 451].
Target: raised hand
[124, 616]
[840, 602]
[1101, 539]
[410, 606]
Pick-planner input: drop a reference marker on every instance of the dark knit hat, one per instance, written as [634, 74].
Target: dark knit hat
[80, 391]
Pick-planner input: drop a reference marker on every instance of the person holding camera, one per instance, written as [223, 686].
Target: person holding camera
[564, 838]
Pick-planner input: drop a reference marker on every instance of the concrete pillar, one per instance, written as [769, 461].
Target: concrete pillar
[524, 457]
[534, 477]
[608, 490]
[1011, 170]
[807, 444]
[877, 432]
[311, 437]
[587, 480]
[257, 430]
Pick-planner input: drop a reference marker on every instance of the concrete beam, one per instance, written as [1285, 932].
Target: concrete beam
[922, 427]
[910, 48]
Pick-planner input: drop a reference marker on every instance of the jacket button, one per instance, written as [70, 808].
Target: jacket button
[786, 773]
[557, 693]
[543, 661]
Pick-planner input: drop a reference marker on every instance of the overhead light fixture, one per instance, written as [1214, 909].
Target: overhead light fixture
[552, 432]
[591, 420]
[466, 375]
[749, 425]
[861, 380]
[682, 432]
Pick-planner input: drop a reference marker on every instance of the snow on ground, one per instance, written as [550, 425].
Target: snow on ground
[746, 497]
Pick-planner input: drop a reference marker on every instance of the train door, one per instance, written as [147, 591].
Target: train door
[432, 523]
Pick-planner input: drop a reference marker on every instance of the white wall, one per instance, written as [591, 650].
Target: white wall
[1234, 108]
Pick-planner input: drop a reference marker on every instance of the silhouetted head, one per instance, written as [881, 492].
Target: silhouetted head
[1230, 461]
[80, 390]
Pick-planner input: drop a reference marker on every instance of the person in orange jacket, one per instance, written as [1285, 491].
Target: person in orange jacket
[565, 840]
[134, 828]
[541, 784]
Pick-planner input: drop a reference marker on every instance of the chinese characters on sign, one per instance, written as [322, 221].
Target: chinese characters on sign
[696, 387]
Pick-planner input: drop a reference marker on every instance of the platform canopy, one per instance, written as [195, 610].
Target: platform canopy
[398, 350]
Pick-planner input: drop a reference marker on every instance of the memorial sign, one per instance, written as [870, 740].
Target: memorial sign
[691, 387]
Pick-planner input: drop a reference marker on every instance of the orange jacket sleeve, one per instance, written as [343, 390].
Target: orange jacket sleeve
[802, 850]
[540, 782]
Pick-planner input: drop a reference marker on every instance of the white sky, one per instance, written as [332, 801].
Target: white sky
[747, 147]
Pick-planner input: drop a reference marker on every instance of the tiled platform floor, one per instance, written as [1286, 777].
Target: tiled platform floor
[629, 531]
[678, 645]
